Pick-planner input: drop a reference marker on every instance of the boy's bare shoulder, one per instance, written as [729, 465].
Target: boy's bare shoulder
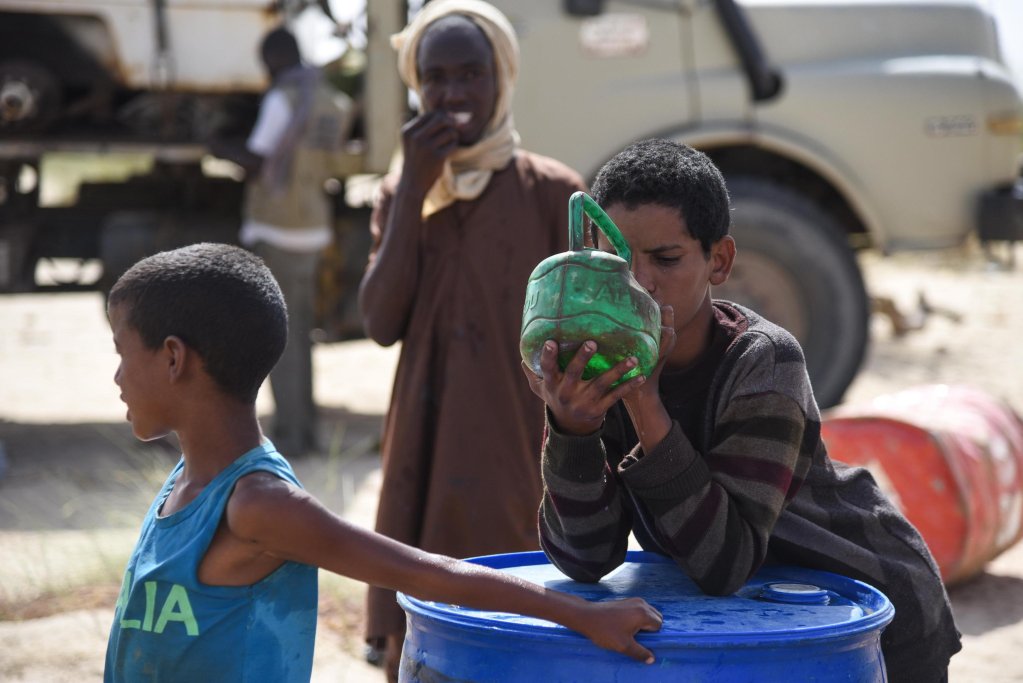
[286, 522]
[259, 499]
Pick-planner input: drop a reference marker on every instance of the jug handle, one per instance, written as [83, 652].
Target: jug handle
[581, 202]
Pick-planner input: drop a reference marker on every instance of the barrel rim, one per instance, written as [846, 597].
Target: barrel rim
[882, 614]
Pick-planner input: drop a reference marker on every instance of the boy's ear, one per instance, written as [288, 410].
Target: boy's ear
[177, 354]
[722, 257]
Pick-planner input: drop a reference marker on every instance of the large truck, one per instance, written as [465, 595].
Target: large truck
[840, 125]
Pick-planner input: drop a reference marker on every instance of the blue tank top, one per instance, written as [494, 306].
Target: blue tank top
[170, 627]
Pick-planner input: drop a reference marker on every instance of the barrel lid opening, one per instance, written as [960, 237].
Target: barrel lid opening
[795, 593]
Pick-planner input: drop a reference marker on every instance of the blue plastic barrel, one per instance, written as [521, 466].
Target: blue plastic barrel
[786, 624]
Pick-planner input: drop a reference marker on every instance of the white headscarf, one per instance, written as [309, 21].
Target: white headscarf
[468, 170]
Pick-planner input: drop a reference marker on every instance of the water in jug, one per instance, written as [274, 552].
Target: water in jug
[586, 293]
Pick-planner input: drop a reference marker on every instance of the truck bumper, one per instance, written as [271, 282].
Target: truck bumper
[1000, 215]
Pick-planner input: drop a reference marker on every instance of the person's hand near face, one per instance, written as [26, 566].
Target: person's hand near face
[457, 84]
[677, 272]
[458, 88]
[578, 406]
[427, 141]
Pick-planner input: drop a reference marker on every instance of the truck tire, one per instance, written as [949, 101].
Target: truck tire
[124, 238]
[795, 267]
[30, 96]
[127, 236]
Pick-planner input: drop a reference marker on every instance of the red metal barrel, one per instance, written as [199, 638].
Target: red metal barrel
[951, 458]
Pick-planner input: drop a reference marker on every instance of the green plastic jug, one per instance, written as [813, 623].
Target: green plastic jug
[585, 293]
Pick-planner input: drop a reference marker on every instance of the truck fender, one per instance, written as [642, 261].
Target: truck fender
[795, 264]
[819, 162]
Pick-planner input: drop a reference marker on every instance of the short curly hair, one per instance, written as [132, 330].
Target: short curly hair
[219, 299]
[280, 47]
[673, 175]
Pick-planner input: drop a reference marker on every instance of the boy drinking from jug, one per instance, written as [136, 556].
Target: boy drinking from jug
[716, 460]
[222, 584]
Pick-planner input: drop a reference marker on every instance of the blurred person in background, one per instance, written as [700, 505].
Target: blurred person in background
[456, 234]
[288, 218]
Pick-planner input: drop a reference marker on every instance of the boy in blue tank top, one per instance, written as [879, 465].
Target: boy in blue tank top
[222, 584]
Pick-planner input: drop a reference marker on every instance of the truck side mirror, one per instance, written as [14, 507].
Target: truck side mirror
[583, 8]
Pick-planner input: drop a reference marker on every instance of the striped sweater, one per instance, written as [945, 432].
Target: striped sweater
[743, 478]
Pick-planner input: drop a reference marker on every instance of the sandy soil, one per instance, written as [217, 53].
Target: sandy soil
[74, 483]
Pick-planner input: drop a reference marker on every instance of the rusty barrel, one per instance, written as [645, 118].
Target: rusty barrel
[951, 458]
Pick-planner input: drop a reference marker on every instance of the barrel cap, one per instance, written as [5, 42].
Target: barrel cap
[795, 593]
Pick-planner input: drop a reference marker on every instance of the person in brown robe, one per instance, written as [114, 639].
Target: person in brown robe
[456, 234]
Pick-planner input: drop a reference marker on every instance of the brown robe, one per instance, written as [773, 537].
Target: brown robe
[462, 436]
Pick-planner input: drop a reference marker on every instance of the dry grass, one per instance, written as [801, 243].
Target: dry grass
[99, 596]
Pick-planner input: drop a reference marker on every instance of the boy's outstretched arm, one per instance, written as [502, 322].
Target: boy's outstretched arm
[279, 520]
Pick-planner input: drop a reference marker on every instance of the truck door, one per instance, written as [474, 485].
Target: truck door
[596, 76]
[729, 65]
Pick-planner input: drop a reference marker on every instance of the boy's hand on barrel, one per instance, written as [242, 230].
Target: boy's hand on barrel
[613, 625]
[579, 405]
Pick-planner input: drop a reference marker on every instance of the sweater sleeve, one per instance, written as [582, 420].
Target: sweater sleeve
[584, 527]
[714, 512]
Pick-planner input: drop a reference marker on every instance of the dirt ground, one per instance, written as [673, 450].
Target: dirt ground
[74, 483]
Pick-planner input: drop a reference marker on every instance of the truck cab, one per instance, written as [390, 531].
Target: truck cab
[838, 124]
